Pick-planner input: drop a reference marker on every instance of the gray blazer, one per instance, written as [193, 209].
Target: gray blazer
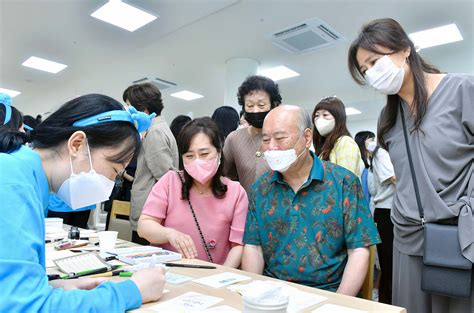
[159, 154]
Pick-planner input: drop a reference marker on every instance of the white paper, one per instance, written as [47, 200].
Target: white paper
[190, 301]
[52, 254]
[221, 280]
[177, 279]
[333, 308]
[220, 309]
[80, 263]
[298, 300]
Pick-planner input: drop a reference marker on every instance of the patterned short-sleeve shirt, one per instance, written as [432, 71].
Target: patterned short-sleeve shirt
[305, 235]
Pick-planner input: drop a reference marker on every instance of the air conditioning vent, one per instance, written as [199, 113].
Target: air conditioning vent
[158, 82]
[306, 36]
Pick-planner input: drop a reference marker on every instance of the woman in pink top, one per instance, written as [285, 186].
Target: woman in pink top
[219, 204]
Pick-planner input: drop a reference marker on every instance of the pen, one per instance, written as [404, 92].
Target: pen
[120, 273]
[190, 265]
[89, 272]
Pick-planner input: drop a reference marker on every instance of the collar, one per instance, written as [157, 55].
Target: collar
[317, 172]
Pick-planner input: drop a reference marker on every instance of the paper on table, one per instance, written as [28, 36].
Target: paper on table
[52, 254]
[190, 301]
[220, 309]
[221, 280]
[80, 263]
[177, 279]
[298, 300]
[331, 308]
[89, 233]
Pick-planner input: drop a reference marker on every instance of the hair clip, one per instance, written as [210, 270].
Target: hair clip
[6, 100]
[141, 120]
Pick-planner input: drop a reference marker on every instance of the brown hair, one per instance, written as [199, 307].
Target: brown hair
[323, 145]
[144, 96]
[206, 126]
[389, 33]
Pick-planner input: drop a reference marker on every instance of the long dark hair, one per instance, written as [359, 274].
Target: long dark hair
[360, 139]
[227, 120]
[10, 136]
[206, 126]
[57, 128]
[389, 33]
[323, 145]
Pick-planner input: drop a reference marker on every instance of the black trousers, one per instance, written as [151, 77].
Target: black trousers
[78, 219]
[385, 252]
[137, 239]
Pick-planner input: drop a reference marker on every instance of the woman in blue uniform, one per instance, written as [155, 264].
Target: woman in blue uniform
[77, 153]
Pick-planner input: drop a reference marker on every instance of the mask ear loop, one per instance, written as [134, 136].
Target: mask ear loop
[70, 164]
[90, 155]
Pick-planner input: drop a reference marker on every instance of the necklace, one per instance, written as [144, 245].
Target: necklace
[257, 136]
[201, 192]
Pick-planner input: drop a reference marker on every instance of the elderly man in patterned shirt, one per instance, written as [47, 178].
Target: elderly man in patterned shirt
[308, 221]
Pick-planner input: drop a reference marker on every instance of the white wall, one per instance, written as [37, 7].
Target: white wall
[357, 126]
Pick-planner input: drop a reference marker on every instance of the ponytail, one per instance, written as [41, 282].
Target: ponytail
[11, 139]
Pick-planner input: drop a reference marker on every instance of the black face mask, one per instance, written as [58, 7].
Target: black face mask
[255, 119]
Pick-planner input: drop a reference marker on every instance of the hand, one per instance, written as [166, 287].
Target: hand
[85, 283]
[150, 282]
[183, 243]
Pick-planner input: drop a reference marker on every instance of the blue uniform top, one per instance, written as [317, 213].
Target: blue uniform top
[24, 195]
[57, 205]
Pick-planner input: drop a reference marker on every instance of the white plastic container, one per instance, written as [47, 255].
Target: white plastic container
[252, 307]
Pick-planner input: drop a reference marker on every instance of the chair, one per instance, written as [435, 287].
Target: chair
[119, 219]
[368, 286]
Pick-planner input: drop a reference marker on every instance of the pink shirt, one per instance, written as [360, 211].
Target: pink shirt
[221, 220]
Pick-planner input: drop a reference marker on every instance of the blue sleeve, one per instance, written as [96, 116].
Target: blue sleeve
[23, 277]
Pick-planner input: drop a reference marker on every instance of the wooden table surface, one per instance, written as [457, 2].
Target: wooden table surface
[234, 299]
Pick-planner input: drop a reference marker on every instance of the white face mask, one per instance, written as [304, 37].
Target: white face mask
[84, 189]
[281, 160]
[371, 146]
[324, 126]
[385, 76]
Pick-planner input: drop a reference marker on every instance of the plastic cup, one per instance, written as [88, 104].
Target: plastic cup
[274, 307]
[107, 240]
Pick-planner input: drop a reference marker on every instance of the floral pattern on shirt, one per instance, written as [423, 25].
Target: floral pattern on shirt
[305, 235]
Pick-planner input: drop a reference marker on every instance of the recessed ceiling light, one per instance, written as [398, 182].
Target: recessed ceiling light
[44, 65]
[11, 93]
[352, 111]
[123, 15]
[278, 73]
[186, 95]
[436, 36]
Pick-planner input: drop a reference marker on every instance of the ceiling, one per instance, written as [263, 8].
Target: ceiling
[191, 41]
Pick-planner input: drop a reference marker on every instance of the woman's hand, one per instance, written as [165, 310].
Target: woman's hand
[183, 243]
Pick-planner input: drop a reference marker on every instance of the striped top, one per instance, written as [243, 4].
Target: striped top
[240, 153]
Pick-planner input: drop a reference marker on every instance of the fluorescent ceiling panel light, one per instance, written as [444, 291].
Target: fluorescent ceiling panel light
[436, 36]
[186, 95]
[123, 15]
[44, 65]
[11, 93]
[278, 73]
[352, 111]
